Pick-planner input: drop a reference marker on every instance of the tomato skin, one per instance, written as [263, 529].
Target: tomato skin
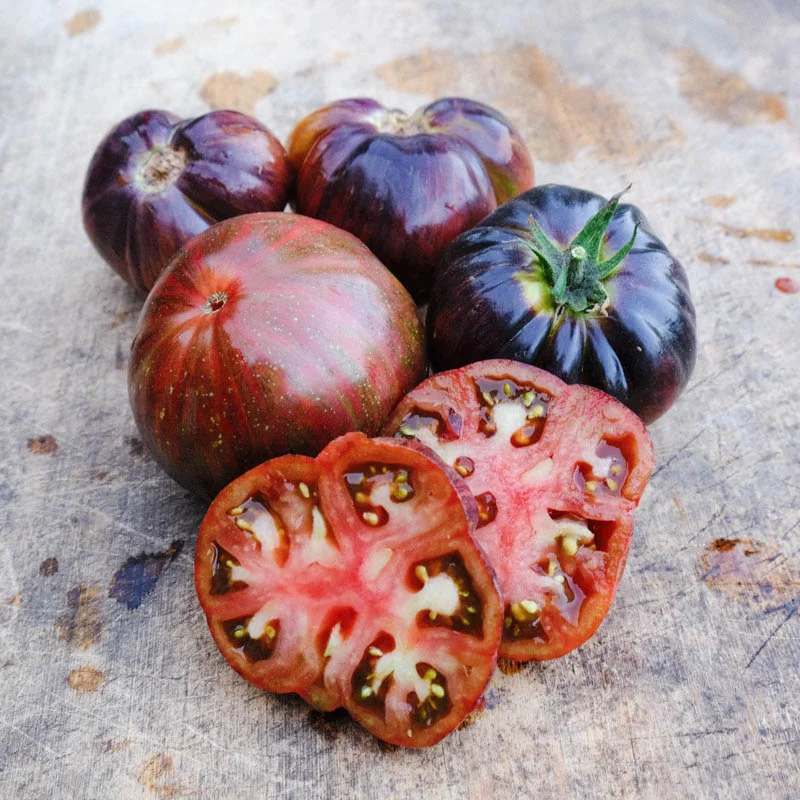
[406, 186]
[268, 334]
[490, 300]
[342, 598]
[157, 180]
[565, 466]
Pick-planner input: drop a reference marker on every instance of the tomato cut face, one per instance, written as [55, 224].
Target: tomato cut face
[353, 580]
[556, 471]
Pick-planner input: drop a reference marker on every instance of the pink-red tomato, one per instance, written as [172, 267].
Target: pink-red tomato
[353, 580]
[556, 471]
[268, 334]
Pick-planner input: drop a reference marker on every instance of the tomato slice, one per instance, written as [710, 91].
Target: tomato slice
[556, 471]
[353, 580]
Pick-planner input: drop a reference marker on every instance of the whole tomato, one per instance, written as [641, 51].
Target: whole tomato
[578, 285]
[268, 334]
[156, 180]
[407, 185]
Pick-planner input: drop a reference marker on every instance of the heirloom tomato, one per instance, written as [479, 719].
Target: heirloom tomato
[352, 579]
[580, 286]
[156, 180]
[556, 471]
[268, 334]
[407, 185]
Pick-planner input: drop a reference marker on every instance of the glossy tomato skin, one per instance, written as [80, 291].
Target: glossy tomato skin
[490, 300]
[557, 471]
[157, 180]
[407, 185]
[353, 580]
[268, 334]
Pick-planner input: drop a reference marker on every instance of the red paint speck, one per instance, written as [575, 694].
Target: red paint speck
[787, 286]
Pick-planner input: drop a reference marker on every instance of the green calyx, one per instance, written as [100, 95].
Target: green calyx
[576, 273]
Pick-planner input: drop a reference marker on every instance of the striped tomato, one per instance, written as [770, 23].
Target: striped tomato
[268, 334]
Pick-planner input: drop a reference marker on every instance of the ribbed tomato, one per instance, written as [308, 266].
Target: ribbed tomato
[268, 334]
[353, 580]
[570, 282]
[157, 180]
[407, 184]
[557, 471]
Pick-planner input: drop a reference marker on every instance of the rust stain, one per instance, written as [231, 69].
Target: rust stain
[719, 200]
[509, 667]
[709, 259]
[223, 22]
[239, 92]
[787, 285]
[82, 22]
[81, 625]
[169, 46]
[152, 775]
[558, 117]
[430, 72]
[725, 96]
[85, 679]
[766, 262]
[15, 600]
[43, 445]
[48, 567]
[764, 234]
[755, 572]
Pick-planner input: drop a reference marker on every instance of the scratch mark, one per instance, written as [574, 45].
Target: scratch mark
[769, 638]
[679, 453]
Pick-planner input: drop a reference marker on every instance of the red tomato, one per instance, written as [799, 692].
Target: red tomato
[353, 580]
[268, 334]
[557, 471]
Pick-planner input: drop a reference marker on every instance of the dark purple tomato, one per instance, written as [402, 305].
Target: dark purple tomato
[156, 180]
[268, 334]
[563, 279]
[407, 185]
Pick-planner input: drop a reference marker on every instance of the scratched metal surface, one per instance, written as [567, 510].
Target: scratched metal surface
[109, 683]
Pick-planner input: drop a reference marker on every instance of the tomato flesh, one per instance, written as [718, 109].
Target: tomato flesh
[353, 580]
[556, 471]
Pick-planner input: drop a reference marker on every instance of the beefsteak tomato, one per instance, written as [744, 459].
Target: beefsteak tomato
[580, 286]
[156, 180]
[407, 185]
[556, 471]
[353, 580]
[268, 334]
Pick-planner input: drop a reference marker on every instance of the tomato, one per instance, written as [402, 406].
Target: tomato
[407, 185]
[580, 286]
[556, 471]
[268, 334]
[156, 180]
[353, 580]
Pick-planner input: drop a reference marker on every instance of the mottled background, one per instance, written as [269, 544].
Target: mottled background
[109, 683]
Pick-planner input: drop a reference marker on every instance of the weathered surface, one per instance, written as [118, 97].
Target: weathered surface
[110, 683]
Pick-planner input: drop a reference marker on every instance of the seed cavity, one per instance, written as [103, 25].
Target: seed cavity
[253, 638]
[512, 409]
[464, 466]
[223, 571]
[374, 488]
[445, 596]
[430, 425]
[487, 508]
